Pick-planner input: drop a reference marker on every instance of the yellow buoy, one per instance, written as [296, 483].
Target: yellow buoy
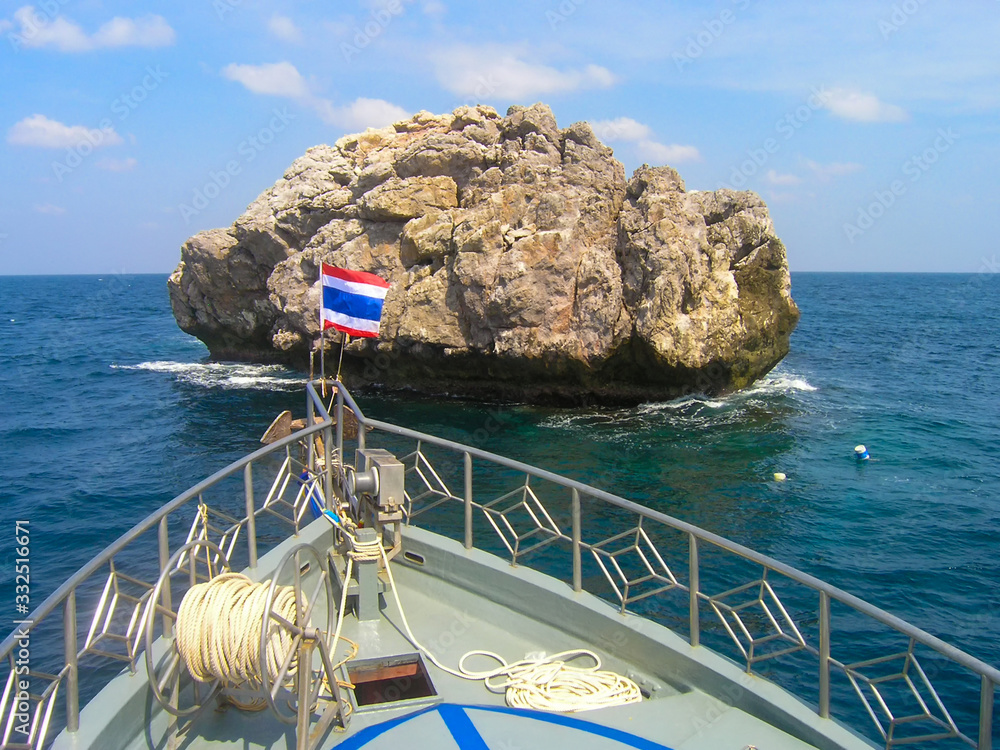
[779, 477]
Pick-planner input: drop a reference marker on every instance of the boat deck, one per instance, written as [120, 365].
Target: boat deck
[461, 600]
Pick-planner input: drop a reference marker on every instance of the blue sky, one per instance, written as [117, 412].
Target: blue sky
[870, 128]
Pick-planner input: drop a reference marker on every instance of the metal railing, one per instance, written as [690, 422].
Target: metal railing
[751, 614]
[524, 511]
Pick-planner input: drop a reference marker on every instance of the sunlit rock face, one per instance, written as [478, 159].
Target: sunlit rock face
[524, 266]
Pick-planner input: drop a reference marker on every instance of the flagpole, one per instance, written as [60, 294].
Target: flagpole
[322, 336]
[344, 341]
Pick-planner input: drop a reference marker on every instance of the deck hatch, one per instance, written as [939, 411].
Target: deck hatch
[390, 679]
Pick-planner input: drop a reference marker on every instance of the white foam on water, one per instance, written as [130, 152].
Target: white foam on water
[573, 420]
[683, 403]
[560, 421]
[773, 383]
[692, 410]
[783, 383]
[230, 376]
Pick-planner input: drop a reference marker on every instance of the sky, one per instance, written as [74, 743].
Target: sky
[871, 129]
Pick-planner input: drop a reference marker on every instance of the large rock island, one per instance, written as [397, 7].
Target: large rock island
[523, 266]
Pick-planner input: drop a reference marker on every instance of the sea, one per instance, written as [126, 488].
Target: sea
[108, 410]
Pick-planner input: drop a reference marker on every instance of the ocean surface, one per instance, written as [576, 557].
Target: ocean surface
[107, 410]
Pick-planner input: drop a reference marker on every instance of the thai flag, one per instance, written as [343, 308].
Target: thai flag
[352, 300]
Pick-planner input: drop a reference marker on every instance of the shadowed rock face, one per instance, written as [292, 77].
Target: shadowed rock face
[523, 266]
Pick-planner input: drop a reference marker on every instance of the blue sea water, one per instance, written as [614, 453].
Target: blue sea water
[107, 410]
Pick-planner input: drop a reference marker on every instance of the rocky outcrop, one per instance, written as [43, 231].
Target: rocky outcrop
[523, 266]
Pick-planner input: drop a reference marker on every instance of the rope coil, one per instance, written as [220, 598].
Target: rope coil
[550, 684]
[219, 630]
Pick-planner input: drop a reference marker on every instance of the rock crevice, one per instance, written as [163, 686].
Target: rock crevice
[523, 264]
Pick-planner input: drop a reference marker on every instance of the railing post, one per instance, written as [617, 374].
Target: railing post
[310, 421]
[577, 566]
[340, 424]
[328, 465]
[72, 674]
[694, 585]
[986, 715]
[251, 518]
[163, 533]
[468, 499]
[824, 655]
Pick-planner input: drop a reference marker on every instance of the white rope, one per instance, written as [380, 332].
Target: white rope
[542, 684]
[360, 551]
[550, 684]
[219, 629]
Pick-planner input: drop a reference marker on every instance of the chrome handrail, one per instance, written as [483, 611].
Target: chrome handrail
[333, 443]
[989, 675]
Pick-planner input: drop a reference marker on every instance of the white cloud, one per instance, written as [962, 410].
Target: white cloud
[663, 153]
[148, 31]
[283, 79]
[361, 114]
[117, 165]
[627, 129]
[285, 29]
[48, 208]
[276, 79]
[39, 130]
[826, 172]
[776, 178]
[857, 106]
[35, 30]
[621, 129]
[497, 72]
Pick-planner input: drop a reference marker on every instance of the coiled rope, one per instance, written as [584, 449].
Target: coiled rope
[542, 684]
[550, 684]
[219, 630]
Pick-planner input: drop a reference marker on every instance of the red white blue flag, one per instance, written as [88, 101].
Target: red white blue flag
[352, 300]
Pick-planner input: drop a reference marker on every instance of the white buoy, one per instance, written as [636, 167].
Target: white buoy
[779, 476]
[861, 453]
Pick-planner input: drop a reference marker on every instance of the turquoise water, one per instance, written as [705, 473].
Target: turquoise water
[107, 410]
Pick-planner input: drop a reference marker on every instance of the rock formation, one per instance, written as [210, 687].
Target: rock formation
[523, 266]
